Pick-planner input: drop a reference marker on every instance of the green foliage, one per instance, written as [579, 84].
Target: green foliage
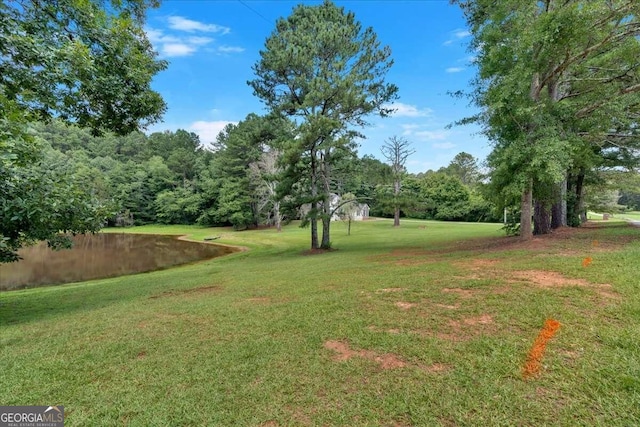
[445, 196]
[465, 167]
[43, 198]
[558, 85]
[179, 206]
[85, 62]
[233, 184]
[512, 226]
[88, 62]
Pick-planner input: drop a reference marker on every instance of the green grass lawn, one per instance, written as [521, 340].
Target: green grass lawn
[633, 215]
[428, 324]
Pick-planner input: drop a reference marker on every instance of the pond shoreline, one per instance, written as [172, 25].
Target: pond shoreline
[106, 255]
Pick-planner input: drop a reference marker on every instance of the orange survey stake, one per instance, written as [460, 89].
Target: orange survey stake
[532, 365]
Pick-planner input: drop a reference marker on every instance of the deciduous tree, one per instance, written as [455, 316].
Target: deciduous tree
[552, 74]
[86, 62]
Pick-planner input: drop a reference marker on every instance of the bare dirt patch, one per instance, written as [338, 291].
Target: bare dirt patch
[344, 352]
[480, 268]
[608, 293]
[464, 329]
[552, 279]
[200, 290]
[546, 279]
[461, 328]
[481, 263]
[403, 305]
[385, 361]
[448, 306]
[437, 367]
[483, 319]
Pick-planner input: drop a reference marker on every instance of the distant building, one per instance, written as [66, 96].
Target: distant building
[360, 211]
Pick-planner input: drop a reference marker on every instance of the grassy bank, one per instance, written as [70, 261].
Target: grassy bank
[633, 215]
[428, 324]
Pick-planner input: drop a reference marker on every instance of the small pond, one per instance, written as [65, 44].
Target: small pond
[102, 255]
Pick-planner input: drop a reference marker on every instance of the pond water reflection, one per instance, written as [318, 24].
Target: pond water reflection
[102, 255]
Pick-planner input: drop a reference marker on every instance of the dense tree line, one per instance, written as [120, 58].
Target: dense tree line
[169, 177]
[559, 89]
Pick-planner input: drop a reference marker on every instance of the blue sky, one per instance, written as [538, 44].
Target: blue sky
[211, 46]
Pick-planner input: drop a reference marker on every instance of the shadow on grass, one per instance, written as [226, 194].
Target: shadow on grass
[24, 306]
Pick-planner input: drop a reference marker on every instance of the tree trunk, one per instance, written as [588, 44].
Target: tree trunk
[525, 212]
[314, 225]
[277, 216]
[326, 228]
[396, 210]
[314, 204]
[575, 207]
[541, 219]
[580, 210]
[326, 205]
[559, 208]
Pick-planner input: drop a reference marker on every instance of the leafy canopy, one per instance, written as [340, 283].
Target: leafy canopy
[86, 62]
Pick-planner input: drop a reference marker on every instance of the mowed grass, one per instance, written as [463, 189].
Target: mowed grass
[427, 324]
[632, 215]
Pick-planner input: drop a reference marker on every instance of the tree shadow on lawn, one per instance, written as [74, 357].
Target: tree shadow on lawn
[24, 306]
[566, 241]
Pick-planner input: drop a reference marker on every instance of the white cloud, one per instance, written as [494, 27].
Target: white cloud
[406, 110]
[230, 49]
[157, 36]
[208, 131]
[176, 44]
[407, 129]
[199, 41]
[183, 24]
[456, 35]
[443, 145]
[454, 69]
[430, 135]
[176, 49]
